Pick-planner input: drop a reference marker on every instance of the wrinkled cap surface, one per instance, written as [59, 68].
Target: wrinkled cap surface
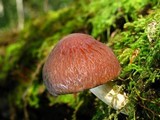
[79, 62]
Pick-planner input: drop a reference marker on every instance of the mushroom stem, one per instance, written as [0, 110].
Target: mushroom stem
[111, 96]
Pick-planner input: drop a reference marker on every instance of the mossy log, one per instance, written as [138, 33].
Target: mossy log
[130, 28]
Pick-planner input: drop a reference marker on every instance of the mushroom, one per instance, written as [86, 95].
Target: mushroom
[79, 62]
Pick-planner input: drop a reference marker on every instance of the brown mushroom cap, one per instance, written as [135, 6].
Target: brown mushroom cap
[79, 62]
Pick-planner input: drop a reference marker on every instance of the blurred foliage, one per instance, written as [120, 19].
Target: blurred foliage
[130, 27]
[7, 15]
[32, 9]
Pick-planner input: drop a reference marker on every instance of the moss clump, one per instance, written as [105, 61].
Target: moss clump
[139, 52]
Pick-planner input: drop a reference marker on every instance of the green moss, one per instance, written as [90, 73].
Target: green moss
[139, 55]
